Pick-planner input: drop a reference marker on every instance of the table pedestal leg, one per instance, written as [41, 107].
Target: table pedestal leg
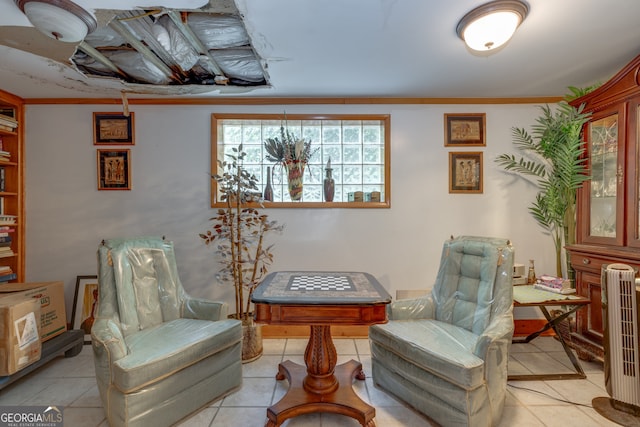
[321, 386]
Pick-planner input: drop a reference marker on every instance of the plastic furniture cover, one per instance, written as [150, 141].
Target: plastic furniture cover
[445, 354]
[159, 354]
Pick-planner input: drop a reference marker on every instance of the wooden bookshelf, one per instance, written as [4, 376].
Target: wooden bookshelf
[12, 186]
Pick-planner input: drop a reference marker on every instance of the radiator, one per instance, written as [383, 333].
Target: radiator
[620, 305]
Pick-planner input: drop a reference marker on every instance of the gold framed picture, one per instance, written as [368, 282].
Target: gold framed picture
[114, 169]
[113, 129]
[464, 130]
[85, 303]
[465, 172]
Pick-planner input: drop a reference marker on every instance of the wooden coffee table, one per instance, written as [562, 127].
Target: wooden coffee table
[320, 299]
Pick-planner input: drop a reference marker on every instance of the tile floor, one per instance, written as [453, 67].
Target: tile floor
[70, 383]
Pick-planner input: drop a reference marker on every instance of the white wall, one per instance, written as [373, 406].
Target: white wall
[67, 216]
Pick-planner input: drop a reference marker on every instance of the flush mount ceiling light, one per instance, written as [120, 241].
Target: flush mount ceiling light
[59, 19]
[491, 25]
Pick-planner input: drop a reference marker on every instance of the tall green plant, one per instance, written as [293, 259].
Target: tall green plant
[239, 229]
[554, 159]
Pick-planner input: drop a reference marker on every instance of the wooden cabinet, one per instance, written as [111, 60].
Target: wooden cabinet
[12, 218]
[608, 205]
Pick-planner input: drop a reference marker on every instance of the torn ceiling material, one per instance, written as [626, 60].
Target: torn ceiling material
[167, 47]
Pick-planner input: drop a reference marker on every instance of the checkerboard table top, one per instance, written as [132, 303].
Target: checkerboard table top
[321, 287]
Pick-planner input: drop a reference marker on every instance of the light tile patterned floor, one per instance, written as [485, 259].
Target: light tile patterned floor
[70, 383]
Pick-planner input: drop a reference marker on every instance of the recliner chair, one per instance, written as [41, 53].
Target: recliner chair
[446, 354]
[159, 354]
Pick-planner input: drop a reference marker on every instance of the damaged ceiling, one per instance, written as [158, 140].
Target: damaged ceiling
[155, 49]
[306, 48]
[170, 47]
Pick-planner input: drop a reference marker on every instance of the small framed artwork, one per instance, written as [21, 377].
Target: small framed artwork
[465, 172]
[464, 130]
[85, 304]
[114, 169]
[113, 129]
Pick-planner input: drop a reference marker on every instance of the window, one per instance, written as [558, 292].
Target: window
[358, 146]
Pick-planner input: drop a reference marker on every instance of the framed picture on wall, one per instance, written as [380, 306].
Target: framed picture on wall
[85, 302]
[114, 169]
[464, 130]
[465, 172]
[113, 129]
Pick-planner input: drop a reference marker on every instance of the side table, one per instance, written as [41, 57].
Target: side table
[528, 296]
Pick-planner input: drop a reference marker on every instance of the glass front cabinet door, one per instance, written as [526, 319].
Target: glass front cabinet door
[604, 194]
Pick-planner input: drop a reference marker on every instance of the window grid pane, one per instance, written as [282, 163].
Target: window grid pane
[355, 147]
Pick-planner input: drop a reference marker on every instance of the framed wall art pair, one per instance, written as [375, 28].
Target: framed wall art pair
[114, 165]
[465, 167]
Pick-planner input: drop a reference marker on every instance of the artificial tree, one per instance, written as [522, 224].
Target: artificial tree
[239, 229]
[555, 160]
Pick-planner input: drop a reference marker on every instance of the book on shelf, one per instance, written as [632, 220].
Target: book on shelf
[6, 254]
[5, 269]
[8, 121]
[6, 238]
[7, 277]
[5, 110]
[5, 156]
[5, 230]
[7, 219]
[2, 181]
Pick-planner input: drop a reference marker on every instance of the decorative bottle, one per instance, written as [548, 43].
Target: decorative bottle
[531, 278]
[329, 184]
[268, 189]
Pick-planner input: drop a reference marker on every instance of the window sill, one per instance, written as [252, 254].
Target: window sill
[316, 205]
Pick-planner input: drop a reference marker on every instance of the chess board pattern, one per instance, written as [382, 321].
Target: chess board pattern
[320, 283]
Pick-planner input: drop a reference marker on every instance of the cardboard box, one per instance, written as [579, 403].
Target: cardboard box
[20, 345]
[53, 317]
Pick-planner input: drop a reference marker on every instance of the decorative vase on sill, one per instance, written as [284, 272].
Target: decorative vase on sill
[293, 154]
[329, 183]
[295, 173]
[268, 189]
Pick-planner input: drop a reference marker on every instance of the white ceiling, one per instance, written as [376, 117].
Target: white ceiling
[367, 48]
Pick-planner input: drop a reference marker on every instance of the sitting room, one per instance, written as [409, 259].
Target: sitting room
[298, 213]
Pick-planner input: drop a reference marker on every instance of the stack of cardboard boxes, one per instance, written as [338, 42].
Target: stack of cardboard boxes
[30, 314]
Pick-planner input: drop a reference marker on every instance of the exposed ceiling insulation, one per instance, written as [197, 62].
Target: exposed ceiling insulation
[169, 47]
[157, 50]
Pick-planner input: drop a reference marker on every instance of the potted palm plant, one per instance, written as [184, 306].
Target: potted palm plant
[555, 161]
[238, 231]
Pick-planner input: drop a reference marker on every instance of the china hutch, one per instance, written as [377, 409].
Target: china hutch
[608, 226]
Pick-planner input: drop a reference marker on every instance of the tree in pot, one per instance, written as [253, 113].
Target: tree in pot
[239, 230]
[557, 163]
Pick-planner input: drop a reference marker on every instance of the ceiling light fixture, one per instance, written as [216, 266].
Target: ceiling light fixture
[491, 25]
[59, 19]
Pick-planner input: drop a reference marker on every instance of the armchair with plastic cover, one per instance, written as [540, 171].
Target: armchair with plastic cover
[446, 354]
[159, 354]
